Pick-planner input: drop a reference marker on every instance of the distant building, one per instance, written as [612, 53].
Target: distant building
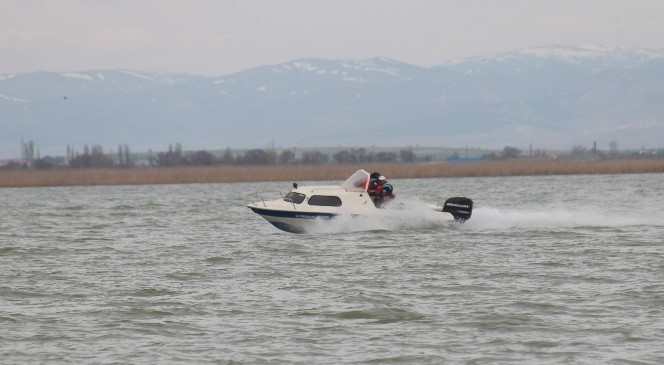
[613, 147]
[29, 152]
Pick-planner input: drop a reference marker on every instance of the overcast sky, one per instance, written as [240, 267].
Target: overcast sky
[217, 37]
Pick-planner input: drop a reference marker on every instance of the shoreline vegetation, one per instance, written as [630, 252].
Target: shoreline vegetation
[295, 173]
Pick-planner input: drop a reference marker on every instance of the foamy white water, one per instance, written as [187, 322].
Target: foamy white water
[412, 213]
[489, 217]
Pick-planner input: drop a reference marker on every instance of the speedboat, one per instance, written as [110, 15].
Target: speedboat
[304, 207]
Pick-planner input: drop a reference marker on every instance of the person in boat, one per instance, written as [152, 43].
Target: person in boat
[384, 191]
[379, 189]
[373, 183]
[388, 191]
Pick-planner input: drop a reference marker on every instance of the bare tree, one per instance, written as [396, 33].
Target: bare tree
[201, 157]
[314, 158]
[258, 157]
[407, 156]
[510, 152]
[228, 157]
[286, 157]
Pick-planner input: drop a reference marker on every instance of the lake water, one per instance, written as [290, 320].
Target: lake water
[563, 269]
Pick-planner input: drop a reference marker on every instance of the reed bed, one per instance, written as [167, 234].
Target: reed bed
[221, 174]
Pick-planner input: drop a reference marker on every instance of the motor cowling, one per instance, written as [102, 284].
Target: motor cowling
[461, 208]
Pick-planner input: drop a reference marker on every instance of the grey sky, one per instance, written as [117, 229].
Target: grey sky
[216, 37]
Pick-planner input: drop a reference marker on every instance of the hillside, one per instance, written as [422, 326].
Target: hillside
[551, 97]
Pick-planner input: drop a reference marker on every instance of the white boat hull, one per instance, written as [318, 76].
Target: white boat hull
[291, 221]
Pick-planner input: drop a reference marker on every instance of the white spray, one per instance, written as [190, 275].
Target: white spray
[413, 214]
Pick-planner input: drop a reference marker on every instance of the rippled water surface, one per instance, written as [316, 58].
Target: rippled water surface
[549, 270]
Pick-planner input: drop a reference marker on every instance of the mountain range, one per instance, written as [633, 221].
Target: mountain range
[550, 97]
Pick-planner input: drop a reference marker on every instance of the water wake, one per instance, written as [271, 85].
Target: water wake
[415, 214]
[490, 217]
[411, 214]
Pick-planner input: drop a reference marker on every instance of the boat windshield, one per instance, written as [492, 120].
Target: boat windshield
[325, 200]
[358, 181]
[294, 197]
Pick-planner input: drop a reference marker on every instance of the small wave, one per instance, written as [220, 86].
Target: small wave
[539, 307]
[6, 292]
[6, 251]
[123, 207]
[380, 315]
[407, 359]
[541, 344]
[218, 260]
[151, 292]
[502, 321]
[74, 207]
[185, 275]
[7, 319]
[147, 312]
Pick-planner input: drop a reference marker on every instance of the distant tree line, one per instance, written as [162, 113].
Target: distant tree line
[577, 152]
[361, 155]
[94, 156]
[508, 153]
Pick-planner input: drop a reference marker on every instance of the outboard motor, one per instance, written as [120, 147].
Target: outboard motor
[461, 208]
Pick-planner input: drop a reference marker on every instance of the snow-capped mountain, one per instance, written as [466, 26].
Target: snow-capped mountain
[591, 52]
[548, 96]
